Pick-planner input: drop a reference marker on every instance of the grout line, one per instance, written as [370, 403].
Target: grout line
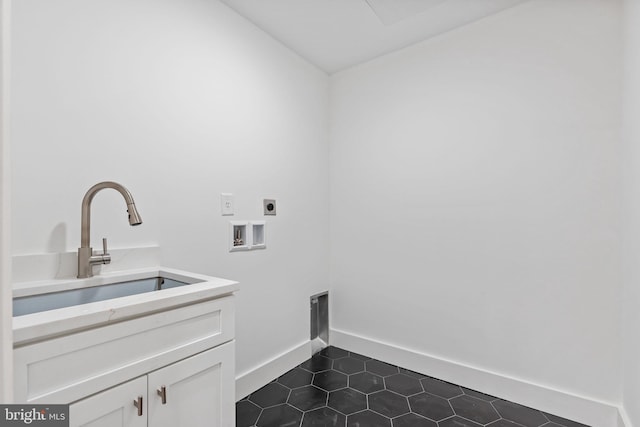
[385, 385]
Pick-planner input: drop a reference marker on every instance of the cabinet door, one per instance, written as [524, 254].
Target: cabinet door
[198, 391]
[112, 408]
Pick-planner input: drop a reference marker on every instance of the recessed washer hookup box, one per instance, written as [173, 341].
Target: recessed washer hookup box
[34, 415]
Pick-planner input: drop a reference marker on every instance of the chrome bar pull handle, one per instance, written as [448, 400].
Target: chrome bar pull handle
[162, 392]
[138, 404]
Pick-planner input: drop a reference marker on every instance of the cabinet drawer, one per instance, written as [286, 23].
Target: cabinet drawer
[65, 369]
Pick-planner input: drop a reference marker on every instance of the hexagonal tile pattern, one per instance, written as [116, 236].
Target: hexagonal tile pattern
[359, 356]
[506, 423]
[520, 414]
[323, 417]
[403, 384]
[330, 380]
[440, 388]
[412, 373]
[348, 365]
[347, 401]
[381, 368]
[338, 388]
[478, 395]
[247, 413]
[270, 395]
[412, 420]
[388, 403]
[334, 353]
[369, 419]
[366, 382]
[474, 409]
[307, 398]
[280, 415]
[317, 363]
[430, 406]
[296, 378]
[564, 422]
[458, 422]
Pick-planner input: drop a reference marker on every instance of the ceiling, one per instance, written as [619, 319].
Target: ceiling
[338, 34]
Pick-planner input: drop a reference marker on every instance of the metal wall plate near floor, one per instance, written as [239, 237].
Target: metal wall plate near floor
[339, 388]
[319, 335]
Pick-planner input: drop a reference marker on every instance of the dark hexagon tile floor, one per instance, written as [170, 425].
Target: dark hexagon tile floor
[339, 388]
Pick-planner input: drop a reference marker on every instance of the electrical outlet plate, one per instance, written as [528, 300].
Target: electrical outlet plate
[269, 206]
[226, 204]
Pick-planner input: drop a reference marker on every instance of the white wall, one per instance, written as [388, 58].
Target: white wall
[475, 197]
[6, 341]
[631, 224]
[179, 101]
[474, 176]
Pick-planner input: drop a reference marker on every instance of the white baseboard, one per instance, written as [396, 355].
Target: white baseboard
[583, 409]
[252, 380]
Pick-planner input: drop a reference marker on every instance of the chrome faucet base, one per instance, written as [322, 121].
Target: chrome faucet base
[86, 261]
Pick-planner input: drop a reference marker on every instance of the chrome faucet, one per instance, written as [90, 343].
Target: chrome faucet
[86, 258]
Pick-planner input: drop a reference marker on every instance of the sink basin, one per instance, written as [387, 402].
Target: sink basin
[57, 307]
[54, 300]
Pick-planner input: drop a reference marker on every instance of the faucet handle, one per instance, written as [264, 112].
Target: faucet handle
[104, 246]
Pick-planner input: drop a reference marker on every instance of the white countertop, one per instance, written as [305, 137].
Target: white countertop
[47, 324]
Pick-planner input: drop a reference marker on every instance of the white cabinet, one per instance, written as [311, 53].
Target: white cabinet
[197, 391]
[111, 408]
[80, 364]
[101, 371]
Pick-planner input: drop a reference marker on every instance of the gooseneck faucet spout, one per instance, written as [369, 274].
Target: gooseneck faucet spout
[86, 258]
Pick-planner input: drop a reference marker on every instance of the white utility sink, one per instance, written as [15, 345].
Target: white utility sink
[57, 307]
